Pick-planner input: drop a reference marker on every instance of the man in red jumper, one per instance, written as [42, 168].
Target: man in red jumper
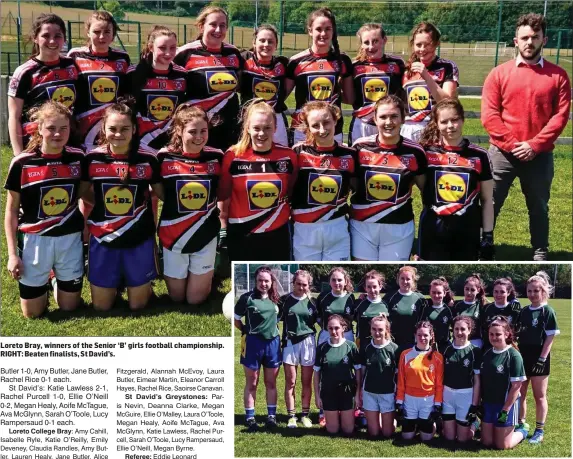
[525, 107]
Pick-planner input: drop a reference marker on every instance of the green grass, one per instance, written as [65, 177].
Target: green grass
[314, 442]
[161, 318]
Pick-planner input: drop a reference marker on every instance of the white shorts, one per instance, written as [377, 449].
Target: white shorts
[281, 134]
[413, 130]
[302, 353]
[477, 342]
[41, 254]
[418, 407]
[323, 336]
[322, 241]
[300, 136]
[381, 241]
[359, 128]
[177, 265]
[383, 403]
[457, 401]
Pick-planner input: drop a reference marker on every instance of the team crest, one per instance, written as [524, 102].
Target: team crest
[282, 166]
[445, 320]
[325, 163]
[509, 319]
[232, 60]
[476, 314]
[140, 171]
[255, 310]
[14, 82]
[344, 164]
[391, 68]
[499, 368]
[534, 322]
[466, 362]
[310, 311]
[347, 310]
[345, 359]
[210, 168]
[413, 307]
[367, 361]
[405, 161]
[74, 170]
[119, 66]
[388, 361]
[431, 368]
[178, 85]
[72, 72]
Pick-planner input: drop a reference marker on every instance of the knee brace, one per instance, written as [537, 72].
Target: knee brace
[31, 293]
[449, 417]
[72, 286]
[408, 425]
[426, 425]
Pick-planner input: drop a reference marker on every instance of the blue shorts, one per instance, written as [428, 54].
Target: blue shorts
[257, 351]
[491, 411]
[108, 266]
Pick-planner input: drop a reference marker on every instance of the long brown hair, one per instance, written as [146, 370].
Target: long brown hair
[261, 28]
[334, 111]
[157, 31]
[253, 106]
[383, 318]
[477, 280]
[378, 277]
[433, 344]
[431, 133]
[503, 322]
[467, 320]
[347, 280]
[422, 27]
[41, 19]
[101, 15]
[327, 13]
[48, 109]
[368, 27]
[391, 99]
[273, 291]
[202, 17]
[448, 294]
[181, 117]
[508, 284]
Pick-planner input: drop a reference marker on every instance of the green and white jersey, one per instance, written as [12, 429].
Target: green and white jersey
[499, 369]
[298, 316]
[404, 310]
[442, 318]
[261, 314]
[364, 312]
[337, 363]
[536, 324]
[473, 310]
[380, 364]
[329, 304]
[511, 310]
[460, 365]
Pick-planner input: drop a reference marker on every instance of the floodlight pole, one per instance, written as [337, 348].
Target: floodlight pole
[19, 32]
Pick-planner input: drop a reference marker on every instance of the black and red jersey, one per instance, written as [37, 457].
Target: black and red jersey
[158, 93]
[419, 100]
[49, 188]
[189, 217]
[36, 82]
[258, 185]
[453, 178]
[384, 179]
[264, 80]
[122, 215]
[374, 79]
[101, 80]
[323, 182]
[316, 77]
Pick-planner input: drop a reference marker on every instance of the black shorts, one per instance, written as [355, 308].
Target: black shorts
[530, 354]
[270, 246]
[340, 398]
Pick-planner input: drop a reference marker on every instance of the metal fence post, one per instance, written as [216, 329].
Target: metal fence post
[138, 38]
[184, 33]
[558, 49]
[498, 32]
[281, 27]
[70, 41]
[232, 33]
[19, 35]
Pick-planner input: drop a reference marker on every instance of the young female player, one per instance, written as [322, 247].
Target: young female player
[258, 177]
[462, 363]
[321, 72]
[382, 219]
[428, 79]
[122, 243]
[472, 305]
[379, 360]
[404, 306]
[299, 314]
[214, 71]
[189, 222]
[43, 185]
[260, 344]
[438, 311]
[369, 307]
[264, 76]
[420, 385]
[502, 374]
[538, 328]
[505, 304]
[320, 197]
[101, 75]
[45, 76]
[458, 195]
[337, 378]
[375, 75]
[159, 87]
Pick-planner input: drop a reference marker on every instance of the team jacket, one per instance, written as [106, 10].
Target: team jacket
[258, 185]
[323, 183]
[264, 80]
[384, 178]
[49, 187]
[122, 215]
[419, 101]
[453, 178]
[374, 79]
[189, 217]
[101, 80]
[419, 376]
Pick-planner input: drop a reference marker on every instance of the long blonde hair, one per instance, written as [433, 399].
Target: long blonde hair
[202, 17]
[368, 27]
[48, 109]
[257, 105]
[181, 117]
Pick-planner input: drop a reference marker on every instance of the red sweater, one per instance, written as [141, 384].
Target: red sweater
[525, 103]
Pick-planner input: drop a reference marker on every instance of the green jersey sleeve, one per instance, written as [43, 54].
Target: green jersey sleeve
[551, 327]
[516, 368]
[477, 360]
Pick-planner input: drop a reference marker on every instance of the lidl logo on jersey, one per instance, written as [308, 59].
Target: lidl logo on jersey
[418, 99]
[193, 195]
[264, 195]
[161, 108]
[265, 89]
[320, 88]
[382, 186]
[451, 187]
[323, 189]
[374, 88]
[118, 201]
[54, 200]
[221, 81]
[64, 94]
[103, 90]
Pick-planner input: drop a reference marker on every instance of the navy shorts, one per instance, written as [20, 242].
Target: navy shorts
[530, 354]
[107, 267]
[257, 351]
[491, 411]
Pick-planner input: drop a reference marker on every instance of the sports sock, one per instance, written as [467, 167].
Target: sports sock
[291, 413]
[272, 410]
[539, 426]
[249, 413]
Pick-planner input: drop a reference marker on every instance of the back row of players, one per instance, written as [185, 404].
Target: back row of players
[435, 346]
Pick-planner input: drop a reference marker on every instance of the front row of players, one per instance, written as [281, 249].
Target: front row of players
[385, 373]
